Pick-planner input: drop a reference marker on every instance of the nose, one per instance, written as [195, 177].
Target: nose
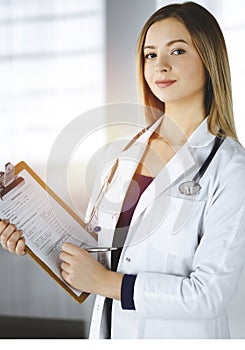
[162, 65]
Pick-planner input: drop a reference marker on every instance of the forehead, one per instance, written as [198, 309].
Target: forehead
[167, 30]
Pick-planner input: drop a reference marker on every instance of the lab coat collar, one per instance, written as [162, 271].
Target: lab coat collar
[177, 167]
[138, 146]
[201, 136]
[147, 132]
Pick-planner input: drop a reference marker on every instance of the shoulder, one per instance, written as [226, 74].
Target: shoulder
[232, 164]
[228, 163]
[234, 146]
[226, 180]
[234, 154]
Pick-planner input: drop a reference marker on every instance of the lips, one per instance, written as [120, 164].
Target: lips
[164, 83]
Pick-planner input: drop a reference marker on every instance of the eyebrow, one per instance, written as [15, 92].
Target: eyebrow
[168, 43]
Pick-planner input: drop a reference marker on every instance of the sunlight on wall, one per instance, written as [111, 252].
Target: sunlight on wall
[51, 68]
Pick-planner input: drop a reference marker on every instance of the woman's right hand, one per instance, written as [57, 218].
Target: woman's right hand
[11, 239]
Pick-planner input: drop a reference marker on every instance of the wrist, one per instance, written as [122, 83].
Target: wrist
[111, 285]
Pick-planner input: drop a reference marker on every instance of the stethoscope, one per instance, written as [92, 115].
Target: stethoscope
[193, 187]
[188, 188]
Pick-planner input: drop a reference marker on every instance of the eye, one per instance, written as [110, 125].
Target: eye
[149, 56]
[177, 52]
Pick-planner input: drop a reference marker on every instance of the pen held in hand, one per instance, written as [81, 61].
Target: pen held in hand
[100, 249]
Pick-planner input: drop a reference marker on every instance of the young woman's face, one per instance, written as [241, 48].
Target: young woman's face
[173, 69]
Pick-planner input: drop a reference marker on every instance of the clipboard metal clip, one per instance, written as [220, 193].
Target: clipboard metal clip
[8, 180]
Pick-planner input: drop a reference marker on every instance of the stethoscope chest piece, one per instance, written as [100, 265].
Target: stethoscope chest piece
[193, 187]
[189, 188]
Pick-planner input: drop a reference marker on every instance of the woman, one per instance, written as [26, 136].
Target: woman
[182, 254]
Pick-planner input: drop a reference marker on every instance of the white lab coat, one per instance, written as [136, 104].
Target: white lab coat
[187, 251]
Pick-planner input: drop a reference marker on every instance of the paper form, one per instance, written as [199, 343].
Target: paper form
[45, 224]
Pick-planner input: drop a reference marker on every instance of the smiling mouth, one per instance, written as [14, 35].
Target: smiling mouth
[164, 83]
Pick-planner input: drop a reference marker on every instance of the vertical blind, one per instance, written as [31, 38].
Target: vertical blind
[51, 71]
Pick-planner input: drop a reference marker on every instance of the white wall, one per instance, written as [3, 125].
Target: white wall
[52, 70]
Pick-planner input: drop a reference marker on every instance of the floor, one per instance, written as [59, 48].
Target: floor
[31, 328]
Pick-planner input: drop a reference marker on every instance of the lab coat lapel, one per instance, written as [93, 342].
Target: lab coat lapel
[174, 169]
[129, 159]
[183, 161]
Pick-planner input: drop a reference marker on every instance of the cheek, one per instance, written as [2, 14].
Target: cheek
[148, 74]
[195, 72]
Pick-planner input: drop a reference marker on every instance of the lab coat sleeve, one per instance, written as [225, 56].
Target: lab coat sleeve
[217, 262]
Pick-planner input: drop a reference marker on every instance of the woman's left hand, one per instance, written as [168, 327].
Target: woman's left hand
[83, 272]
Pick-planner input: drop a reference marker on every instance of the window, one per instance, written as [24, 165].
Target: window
[51, 69]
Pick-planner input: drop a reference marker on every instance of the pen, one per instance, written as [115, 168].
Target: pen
[100, 249]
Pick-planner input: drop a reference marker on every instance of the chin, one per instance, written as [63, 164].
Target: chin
[168, 97]
[168, 100]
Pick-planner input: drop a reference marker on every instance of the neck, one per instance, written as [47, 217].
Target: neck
[181, 121]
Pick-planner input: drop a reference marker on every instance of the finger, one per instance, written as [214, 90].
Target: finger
[66, 257]
[65, 267]
[20, 247]
[70, 248]
[9, 230]
[3, 225]
[65, 275]
[13, 240]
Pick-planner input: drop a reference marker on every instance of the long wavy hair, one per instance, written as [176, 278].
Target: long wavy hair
[209, 42]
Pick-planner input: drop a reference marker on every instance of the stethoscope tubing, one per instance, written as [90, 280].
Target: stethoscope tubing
[217, 143]
[193, 187]
[190, 187]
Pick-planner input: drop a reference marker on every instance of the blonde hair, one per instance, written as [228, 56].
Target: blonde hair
[209, 42]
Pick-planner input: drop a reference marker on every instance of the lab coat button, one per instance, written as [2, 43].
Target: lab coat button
[128, 259]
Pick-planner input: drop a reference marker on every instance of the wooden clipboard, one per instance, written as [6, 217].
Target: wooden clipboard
[17, 170]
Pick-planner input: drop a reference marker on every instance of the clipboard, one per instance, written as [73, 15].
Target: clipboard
[11, 179]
